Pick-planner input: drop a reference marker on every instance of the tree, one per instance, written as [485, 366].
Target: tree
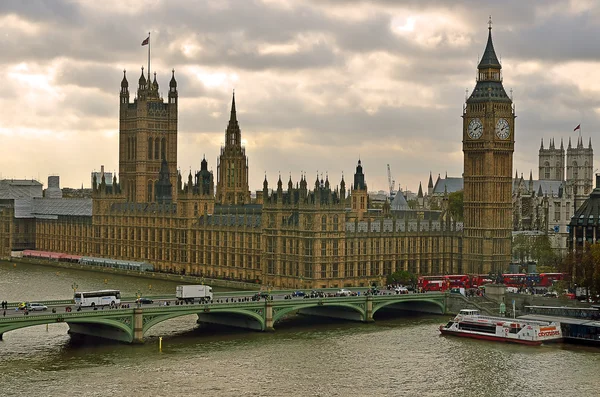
[401, 277]
[412, 204]
[542, 252]
[455, 205]
[521, 248]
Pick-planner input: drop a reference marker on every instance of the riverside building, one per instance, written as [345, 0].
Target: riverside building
[289, 236]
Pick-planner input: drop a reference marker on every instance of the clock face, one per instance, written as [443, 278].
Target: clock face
[475, 129]
[502, 129]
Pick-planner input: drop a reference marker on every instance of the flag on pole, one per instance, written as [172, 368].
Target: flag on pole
[147, 41]
[576, 128]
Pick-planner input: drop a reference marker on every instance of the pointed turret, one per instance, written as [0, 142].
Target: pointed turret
[173, 82]
[562, 146]
[489, 77]
[359, 178]
[173, 89]
[124, 82]
[155, 83]
[233, 116]
[590, 144]
[163, 187]
[489, 58]
[142, 81]
[430, 184]
[124, 90]
[540, 192]
[420, 194]
[542, 144]
[530, 188]
[569, 147]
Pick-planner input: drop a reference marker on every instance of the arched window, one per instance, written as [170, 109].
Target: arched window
[335, 223]
[546, 170]
[559, 171]
[575, 170]
[163, 152]
[585, 170]
[156, 148]
[149, 148]
[150, 195]
[324, 223]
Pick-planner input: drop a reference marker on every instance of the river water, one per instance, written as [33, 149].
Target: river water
[398, 355]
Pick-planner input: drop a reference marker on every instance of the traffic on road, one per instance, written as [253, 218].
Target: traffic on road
[185, 295]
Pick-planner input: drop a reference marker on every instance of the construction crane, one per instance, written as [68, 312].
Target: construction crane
[391, 182]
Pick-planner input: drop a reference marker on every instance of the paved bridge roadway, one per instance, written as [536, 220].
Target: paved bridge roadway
[228, 308]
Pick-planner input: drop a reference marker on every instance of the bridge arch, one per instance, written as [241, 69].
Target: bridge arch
[431, 305]
[120, 326]
[150, 319]
[281, 313]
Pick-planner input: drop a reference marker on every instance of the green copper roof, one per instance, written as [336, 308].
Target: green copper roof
[491, 91]
[489, 58]
[589, 212]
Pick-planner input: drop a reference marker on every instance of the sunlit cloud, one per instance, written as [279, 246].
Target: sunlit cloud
[318, 83]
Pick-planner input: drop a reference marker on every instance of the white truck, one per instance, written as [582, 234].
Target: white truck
[192, 293]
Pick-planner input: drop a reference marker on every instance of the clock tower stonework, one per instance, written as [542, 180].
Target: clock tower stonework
[488, 146]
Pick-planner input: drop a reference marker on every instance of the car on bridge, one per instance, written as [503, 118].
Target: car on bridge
[260, 295]
[344, 292]
[298, 293]
[144, 301]
[36, 307]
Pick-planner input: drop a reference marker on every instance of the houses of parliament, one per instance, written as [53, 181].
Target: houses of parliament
[291, 234]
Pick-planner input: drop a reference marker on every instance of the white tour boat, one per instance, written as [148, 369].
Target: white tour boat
[470, 324]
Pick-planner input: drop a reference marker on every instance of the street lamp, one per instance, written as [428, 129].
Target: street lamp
[138, 294]
[74, 286]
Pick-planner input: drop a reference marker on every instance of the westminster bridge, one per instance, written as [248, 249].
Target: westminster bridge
[130, 324]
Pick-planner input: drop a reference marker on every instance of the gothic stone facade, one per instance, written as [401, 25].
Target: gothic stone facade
[325, 237]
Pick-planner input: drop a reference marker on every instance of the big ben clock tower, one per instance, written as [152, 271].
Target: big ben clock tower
[488, 146]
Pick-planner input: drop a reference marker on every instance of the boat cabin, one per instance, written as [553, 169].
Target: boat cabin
[469, 312]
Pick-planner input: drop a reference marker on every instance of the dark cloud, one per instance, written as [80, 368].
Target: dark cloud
[303, 110]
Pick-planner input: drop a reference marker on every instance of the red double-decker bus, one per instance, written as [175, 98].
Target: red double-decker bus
[517, 280]
[457, 281]
[432, 283]
[477, 280]
[547, 279]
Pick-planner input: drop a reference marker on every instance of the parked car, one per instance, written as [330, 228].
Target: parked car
[36, 307]
[401, 290]
[344, 292]
[143, 301]
[551, 294]
[298, 293]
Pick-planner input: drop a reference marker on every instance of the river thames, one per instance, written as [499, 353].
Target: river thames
[398, 355]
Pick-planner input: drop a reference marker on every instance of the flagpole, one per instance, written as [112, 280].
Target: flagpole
[148, 56]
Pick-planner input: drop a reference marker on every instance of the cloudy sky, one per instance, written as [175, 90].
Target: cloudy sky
[318, 82]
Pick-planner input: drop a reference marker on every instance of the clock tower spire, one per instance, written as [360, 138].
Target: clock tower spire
[488, 146]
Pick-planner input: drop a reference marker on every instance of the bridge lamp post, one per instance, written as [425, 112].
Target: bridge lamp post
[138, 294]
[74, 286]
